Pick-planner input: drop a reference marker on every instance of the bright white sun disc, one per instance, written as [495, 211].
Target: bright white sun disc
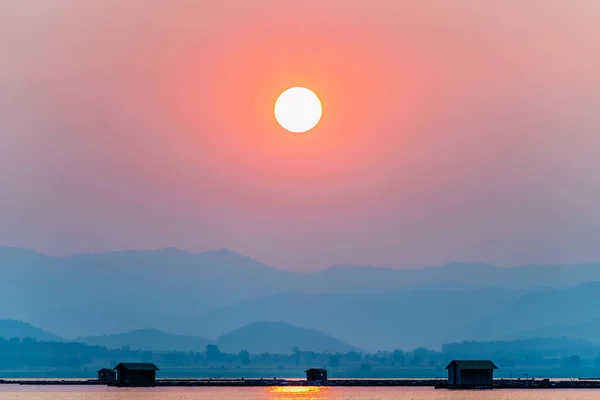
[298, 110]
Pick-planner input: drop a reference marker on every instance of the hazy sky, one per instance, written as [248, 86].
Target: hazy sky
[452, 130]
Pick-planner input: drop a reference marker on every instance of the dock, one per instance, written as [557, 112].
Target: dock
[529, 384]
[236, 382]
[266, 382]
[285, 382]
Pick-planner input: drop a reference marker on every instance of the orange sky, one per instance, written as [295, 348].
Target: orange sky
[462, 130]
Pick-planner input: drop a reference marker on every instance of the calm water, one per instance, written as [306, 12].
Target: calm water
[284, 393]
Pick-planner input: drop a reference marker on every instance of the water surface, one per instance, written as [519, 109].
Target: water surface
[16, 392]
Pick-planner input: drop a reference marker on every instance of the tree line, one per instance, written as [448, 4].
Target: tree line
[556, 352]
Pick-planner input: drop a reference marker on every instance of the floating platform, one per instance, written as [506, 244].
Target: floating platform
[526, 384]
[237, 382]
[284, 382]
[434, 383]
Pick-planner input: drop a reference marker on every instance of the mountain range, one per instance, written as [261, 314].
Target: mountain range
[258, 337]
[208, 295]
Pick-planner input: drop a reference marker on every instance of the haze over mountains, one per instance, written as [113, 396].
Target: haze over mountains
[208, 295]
[258, 337]
[19, 329]
[147, 339]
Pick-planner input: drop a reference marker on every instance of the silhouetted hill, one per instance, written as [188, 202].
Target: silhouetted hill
[19, 329]
[279, 337]
[148, 339]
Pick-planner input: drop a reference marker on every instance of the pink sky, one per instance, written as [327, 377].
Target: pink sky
[452, 131]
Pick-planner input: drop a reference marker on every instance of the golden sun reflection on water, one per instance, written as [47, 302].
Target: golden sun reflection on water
[297, 392]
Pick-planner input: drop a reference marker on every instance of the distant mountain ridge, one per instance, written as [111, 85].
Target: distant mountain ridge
[257, 337]
[18, 329]
[425, 317]
[212, 293]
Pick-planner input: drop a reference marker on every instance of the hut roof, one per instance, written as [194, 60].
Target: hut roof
[473, 364]
[316, 369]
[137, 366]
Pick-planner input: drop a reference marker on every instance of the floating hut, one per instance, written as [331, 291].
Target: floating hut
[136, 374]
[471, 374]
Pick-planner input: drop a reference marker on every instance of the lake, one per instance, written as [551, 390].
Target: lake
[16, 392]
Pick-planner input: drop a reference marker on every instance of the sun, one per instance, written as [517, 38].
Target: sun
[298, 110]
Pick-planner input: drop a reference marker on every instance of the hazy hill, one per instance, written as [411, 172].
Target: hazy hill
[421, 317]
[258, 337]
[148, 339]
[209, 294]
[406, 320]
[539, 313]
[279, 337]
[546, 347]
[19, 329]
[372, 280]
[588, 330]
[87, 294]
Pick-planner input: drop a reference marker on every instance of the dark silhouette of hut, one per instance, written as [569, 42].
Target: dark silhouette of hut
[107, 375]
[316, 374]
[471, 374]
[136, 374]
